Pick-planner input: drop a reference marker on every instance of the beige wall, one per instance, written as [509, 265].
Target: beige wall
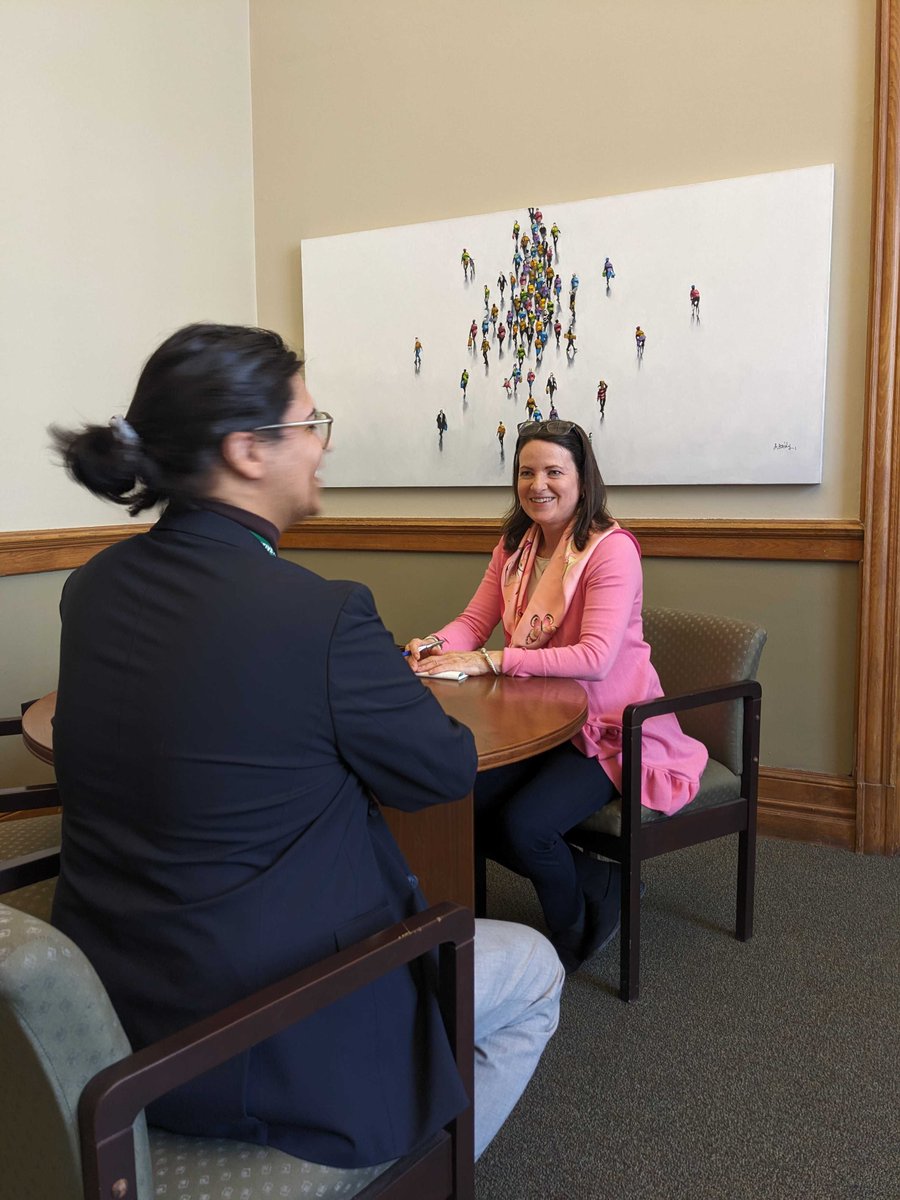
[368, 115]
[376, 115]
[126, 210]
[808, 610]
[807, 670]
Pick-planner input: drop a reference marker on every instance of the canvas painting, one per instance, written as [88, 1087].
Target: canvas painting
[684, 328]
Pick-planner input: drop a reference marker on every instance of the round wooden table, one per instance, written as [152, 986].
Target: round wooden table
[511, 719]
[37, 727]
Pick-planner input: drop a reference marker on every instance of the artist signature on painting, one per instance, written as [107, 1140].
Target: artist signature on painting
[784, 446]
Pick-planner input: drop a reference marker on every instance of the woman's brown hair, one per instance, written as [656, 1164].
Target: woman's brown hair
[591, 515]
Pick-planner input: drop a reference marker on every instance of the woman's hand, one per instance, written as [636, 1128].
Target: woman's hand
[472, 662]
[417, 649]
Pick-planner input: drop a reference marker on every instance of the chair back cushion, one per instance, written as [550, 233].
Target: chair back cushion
[57, 1030]
[691, 651]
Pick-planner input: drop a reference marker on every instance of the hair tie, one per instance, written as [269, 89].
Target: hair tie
[124, 433]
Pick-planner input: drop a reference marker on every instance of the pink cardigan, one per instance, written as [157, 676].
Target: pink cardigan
[600, 643]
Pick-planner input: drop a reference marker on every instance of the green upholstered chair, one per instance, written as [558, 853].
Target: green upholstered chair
[72, 1092]
[29, 850]
[29, 845]
[707, 667]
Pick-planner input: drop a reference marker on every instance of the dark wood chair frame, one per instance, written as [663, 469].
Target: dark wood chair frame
[441, 1169]
[43, 864]
[639, 840]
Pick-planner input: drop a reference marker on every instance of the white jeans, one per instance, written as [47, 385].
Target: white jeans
[518, 979]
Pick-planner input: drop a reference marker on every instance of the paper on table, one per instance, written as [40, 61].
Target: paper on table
[458, 676]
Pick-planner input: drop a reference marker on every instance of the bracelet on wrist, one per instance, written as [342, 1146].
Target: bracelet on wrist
[483, 651]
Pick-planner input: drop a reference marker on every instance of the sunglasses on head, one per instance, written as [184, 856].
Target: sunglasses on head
[529, 428]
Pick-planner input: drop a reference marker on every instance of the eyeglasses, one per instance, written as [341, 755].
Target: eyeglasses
[320, 422]
[527, 428]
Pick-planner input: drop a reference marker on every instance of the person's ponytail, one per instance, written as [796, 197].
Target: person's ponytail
[101, 459]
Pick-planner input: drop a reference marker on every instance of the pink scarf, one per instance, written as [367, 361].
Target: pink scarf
[532, 623]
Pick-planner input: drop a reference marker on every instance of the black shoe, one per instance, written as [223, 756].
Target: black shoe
[567, 943]
[571, 959]
[601, 882]
[603, 912]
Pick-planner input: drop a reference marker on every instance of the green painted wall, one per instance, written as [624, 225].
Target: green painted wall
[808, 668]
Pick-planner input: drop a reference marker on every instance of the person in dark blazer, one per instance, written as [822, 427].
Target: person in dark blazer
[224, 719]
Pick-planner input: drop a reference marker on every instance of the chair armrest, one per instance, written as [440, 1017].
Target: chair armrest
[634, 715]
[32, 795]
[28, 868]
[116, 1095]
[13, 725]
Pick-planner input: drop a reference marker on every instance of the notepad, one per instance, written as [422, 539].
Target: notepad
[457, 676]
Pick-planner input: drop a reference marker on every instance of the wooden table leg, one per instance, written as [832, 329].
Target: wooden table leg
[437, 842]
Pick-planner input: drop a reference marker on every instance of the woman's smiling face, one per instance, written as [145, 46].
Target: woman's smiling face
[548, 485]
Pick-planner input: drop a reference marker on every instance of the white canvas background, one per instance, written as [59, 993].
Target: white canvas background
[735, 398]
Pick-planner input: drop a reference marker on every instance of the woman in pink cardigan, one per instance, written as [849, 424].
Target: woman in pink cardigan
[565, 580]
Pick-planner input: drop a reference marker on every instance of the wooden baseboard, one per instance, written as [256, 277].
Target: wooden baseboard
[807, 807]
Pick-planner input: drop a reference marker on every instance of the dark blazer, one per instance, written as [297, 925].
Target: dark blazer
[221, 716]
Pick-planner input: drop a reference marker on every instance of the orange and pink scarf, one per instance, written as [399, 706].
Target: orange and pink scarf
[531, 622]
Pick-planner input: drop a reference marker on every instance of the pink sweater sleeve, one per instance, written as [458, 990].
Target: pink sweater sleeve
[473, 627]
[611, 583]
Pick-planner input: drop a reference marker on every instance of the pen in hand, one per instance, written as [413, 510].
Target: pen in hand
[435, 644]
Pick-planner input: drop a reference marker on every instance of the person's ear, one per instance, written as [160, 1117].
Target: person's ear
[243, 453]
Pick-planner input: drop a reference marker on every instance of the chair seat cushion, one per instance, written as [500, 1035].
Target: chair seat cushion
[226, 1170]
[718, 785]
[26, 835]
[36, 899]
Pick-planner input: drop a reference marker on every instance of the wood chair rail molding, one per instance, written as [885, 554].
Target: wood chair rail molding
[30, 551]
[819, 541]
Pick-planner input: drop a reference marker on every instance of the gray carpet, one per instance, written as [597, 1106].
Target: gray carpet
[759, 1070]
